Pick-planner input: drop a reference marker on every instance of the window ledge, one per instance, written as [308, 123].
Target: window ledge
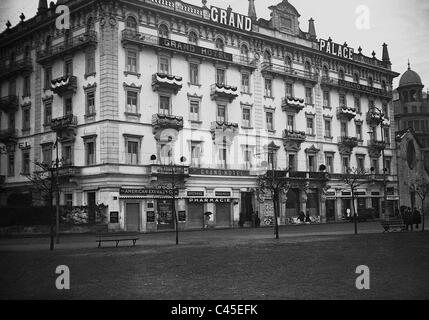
[329, 138]
[246, 128]
[132, 73]
[195, 121]
[194, 84]
[246, 93]
[27, 95]
[309, 104]
[134, 115]
[311, 135]
[87, 75]
[26, 130]
[327, 107]
[269, 97]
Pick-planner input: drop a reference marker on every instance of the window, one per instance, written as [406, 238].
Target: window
[307, 67]
[26, 119]
[310, 126]
[344, 129]
[220, 76]
[356, 78]
[244, 53]
[328, 133]
[193, 38]
[388, 166]
[131, 60]
[27, 86]
[11, 121]
[90, 24]
[25, 162]
[90, 62]
[311, 163]
[268, 88]
[245, 82]
[164, 105]
[246, 118]
[289, 89]
[68, 106]
[329, 159]
[387, 135]
[359, 131]
[221, 113]
[370, 82]
[222, 156]
[132, 152]
[341, 74]
[163, 31]
[272, 158]
[90, 103]
[290, 122]
[288, 63]
[164, 65]
[267, 57]
[67, 154]
[405, 110]
[48, 113]
[374, 164]
[326, 99]
[247, 157]
[346, 164]
[11, 165]
[68, 67]
[68, 200]
[357, 104]
[196, 154]
[132, 102]
[371, 104]
[270, 122]
[194, 110]
[343, 100]
[386, 110]
[292, 162]
[286, 22]
[326, 72]
[47, 154]
[360, 160]
[219, 44]
[12, 87]
[48, 77]
[193, 73]
[90, 152]
[131, 24]
[308, 95]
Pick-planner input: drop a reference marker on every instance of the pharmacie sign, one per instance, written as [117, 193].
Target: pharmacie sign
[230, 18]
[209, 200]
[342, 51]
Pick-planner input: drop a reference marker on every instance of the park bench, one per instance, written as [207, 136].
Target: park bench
[116, 237]
[393, 225]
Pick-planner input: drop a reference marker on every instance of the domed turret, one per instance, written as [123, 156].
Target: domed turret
[410, 78]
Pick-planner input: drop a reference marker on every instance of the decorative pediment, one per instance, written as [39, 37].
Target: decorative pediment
[312, 149]
[286, 7]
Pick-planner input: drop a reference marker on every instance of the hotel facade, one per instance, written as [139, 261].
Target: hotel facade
[137, 93]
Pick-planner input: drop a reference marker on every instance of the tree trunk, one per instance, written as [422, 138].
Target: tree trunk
[275, 205]
[423, 215]
[354, 211]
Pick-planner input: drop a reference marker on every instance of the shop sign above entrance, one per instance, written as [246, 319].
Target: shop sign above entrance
[209, 200]
[146, 192]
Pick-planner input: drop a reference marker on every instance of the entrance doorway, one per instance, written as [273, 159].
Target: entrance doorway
[91, 207]
[195, 215]
[330, 210]
[132, 217]
[246, 206]
[347, 204]
[292, 203]
[375, 202]
[165, 214]
[223, 215]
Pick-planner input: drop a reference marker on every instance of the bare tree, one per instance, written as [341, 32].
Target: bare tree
[354, 178]
[43, 179]
[421, 187]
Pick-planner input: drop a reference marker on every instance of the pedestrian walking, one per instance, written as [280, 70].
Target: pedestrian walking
[307, 217]
[409, 219]
[417, 219]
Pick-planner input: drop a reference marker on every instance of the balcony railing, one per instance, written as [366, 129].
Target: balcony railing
[295, 74]
[345, 113]
[9, 103]
[291, 103]
[356, 87]
[11, 69]
[144, 39]
[8, 136]
[292, 135]
[219, 91]
[164, 121]
[223, 130]
[168, 82]
[347, 144]
[66, 122]
[64, 85]
[71, 45]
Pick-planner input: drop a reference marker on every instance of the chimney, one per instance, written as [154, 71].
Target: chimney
[386, 57]
[311, 28]
[43, 6]
[252, 10]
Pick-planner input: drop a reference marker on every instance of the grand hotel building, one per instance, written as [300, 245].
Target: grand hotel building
[134, 86]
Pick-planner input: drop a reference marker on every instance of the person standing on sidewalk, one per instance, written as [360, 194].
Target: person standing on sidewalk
[417, 219]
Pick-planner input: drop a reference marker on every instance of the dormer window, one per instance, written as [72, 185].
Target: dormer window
[307, 67]
[325, 72]
[193, 38]
[370, 82]
[131, 24]
[244, 52]
[267, 56]
[219, 44]
[288, 63]
[341, 75]
[163, 31]
[356, 78]
[286, 22]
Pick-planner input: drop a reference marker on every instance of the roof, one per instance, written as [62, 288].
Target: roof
[410, 78]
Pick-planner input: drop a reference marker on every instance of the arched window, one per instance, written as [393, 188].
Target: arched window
[163, 31]
[307, 67]
[131, 24]
[90, 26]
[244, 52]
[383, 85]
[193, 38]
[219, 44]
[341, 74]
[411, 155]
[356, 78]
[370, 82]
[267, 56]
[48, 42]
[325, 72]
[288, 63]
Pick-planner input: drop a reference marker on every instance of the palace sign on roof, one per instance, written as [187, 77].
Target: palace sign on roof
[230, 19]
[342, 51]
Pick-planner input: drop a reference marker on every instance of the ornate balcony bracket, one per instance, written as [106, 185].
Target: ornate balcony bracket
[223, 132]
[166, 126]
[168, 82]
[9, 137]
[64, 85]
[292, 104]
[65, 127]
[292, 140]
[375, 148]
[221, 91]
[9, 103]
[347, 144]
[344, 113]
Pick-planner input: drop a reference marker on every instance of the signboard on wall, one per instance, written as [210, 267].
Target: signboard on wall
[230, 19]
[335, 49]
[147, 191]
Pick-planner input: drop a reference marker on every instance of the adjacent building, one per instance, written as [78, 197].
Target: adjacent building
[137, 93]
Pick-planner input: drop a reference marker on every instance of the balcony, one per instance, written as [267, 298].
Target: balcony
[357, 88]
[64, 85]
[222, 131]
[347, 144]
[221, 91]
[375, 148]
[72, 45]
[344, 113]
[374, 118]
[162, 122]
[143, 39]
[18, 67]
[292, 135]
[166, 82]
[9, 103]
[292, 104]
[304, 175]
[65, 127]
[9, 136]
[294, 74]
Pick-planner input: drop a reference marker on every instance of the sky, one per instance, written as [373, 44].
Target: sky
[402, 24]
